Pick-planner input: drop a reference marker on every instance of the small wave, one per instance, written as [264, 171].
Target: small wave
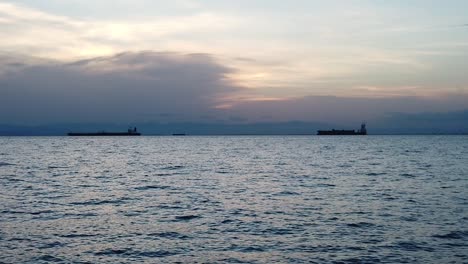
[360, 212]
[276, 212]
[326, 185]
[77, 235]
[19, 239]
[361, 225]
[328, 147]
[86, 185]
[453, 235]
[409, 218]
[372, 241]
[175, 167]
[407, 175]
[453, 245]
[286, 193]
[111, 252]
[233, 260]
[413, 151]
[56, 197]
[412, 246]
[42, 212]
[247, 249]
[155, 254]
[49, 258]
[57, 167]
[388, 197]
[15, 180]
[51, 245]
[93, 202]
[148, 187]
[375, 173]
[360, 260]
[6, 164]
[128, 252]
[227, 221]
[80, 215]
[278, 231]
[164, 174]
[253, 249]
[170, 207]
[12, 212]
[169, 235]
[186, 217]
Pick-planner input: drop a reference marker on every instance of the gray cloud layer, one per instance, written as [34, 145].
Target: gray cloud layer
[125, 87]
[172, 87]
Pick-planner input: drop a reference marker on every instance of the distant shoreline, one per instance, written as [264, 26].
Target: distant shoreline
[207, 135]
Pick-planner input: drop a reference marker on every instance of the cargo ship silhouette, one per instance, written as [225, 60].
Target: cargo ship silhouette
[130, 132]
[334, 132]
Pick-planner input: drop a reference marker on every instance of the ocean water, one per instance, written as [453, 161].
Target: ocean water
[234, 199]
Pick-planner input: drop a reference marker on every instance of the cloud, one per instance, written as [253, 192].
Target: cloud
[344, 52]
[176, 87]
[342, 47]
[34, 32]
[121, 88]
[346, 111]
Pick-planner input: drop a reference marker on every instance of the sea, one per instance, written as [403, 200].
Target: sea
[234, 199]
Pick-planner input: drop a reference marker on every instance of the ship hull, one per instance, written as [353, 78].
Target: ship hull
[340, 133]
[100, 134]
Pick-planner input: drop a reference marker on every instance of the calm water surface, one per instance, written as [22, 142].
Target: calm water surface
[305, 199]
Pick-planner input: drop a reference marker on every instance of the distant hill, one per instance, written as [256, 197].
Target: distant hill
[395, 123]
[284, 128]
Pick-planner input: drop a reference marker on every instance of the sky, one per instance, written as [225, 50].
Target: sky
[339, 62]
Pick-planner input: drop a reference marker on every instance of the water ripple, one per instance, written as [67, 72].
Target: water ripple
[376, 199]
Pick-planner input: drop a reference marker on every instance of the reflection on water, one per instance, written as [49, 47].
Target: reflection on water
[388, 199]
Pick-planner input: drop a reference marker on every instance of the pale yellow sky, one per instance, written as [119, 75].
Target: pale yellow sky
[338, 49]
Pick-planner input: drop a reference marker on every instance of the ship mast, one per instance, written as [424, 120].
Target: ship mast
[363, 129]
